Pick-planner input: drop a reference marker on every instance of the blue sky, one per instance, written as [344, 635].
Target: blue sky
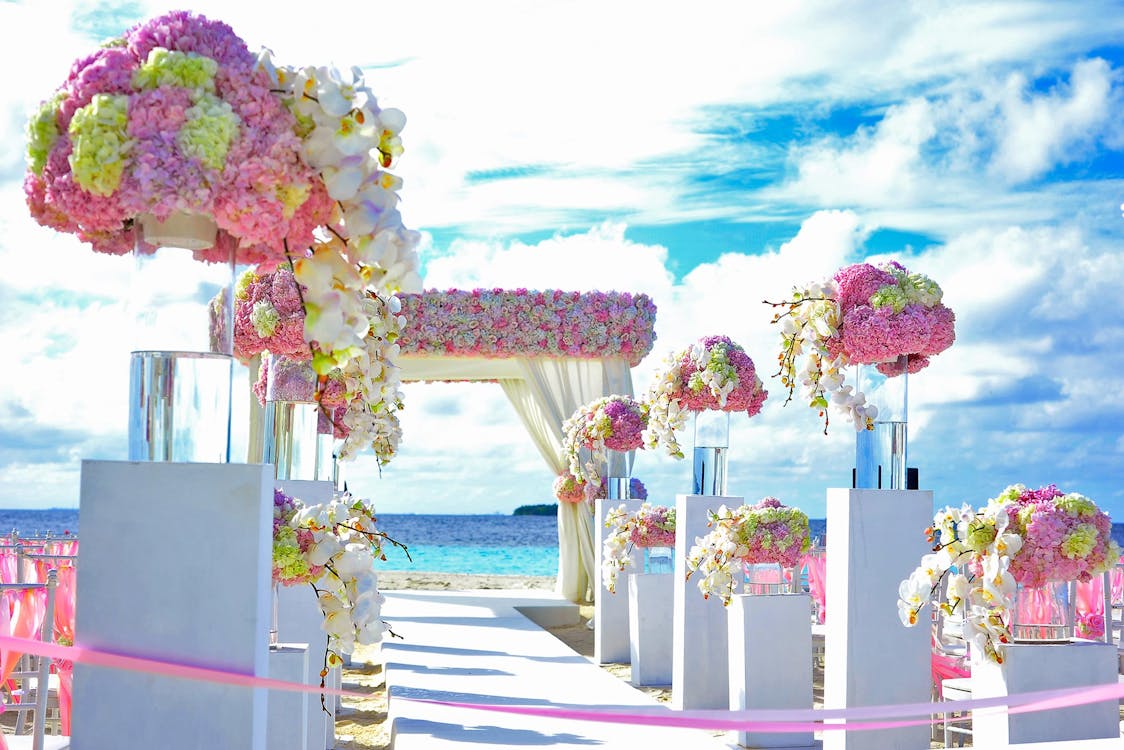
[710, 159]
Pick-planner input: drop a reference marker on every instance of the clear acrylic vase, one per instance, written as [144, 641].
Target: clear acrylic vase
[618, 475]
[181, 363]
[881, 453]
[658, 560]
[1044, 614]
[712, 446]
[290, 419]
[765, 579]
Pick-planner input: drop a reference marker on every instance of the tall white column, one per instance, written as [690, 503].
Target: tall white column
[699, 627]
[875, 538]
[176, 561]
[610, 611]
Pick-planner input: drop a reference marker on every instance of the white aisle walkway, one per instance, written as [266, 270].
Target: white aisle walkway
[476, 646]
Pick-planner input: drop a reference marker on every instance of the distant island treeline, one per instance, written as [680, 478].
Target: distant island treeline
[550, 509]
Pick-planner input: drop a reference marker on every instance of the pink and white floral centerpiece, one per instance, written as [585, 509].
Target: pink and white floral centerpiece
[650, 526]
[768, 532]
[178, 117]
[614, 423]
[714, 373]
[863, 315]
[1021, 537]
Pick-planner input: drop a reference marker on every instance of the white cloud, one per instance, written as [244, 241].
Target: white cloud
[1037, 133]
[877, 166]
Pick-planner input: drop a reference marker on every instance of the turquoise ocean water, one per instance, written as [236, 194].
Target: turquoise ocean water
[484, 544]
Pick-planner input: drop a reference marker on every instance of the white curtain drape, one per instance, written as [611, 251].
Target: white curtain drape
[546, 395]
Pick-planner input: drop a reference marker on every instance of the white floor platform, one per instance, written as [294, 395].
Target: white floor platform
[476, 646]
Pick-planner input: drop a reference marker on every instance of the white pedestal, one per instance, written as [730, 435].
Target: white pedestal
[299, 619]
[771, 662]
[699, 629]
[288, 710]
[875, 539]
[1034, 667]
[610, 611]
[175, 566]
[649, 627]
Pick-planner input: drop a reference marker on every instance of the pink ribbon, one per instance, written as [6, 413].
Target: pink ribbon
[83, 655]
[771, 720]
[802, 720]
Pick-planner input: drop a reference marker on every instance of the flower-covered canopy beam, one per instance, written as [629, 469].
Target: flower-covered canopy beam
[551, 351]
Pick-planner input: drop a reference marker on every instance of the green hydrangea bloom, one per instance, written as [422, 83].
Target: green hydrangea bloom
[287, 557]
[1080, 542]
[43, 132]
[210, 128]
[264, 318]
[242, 285]
[921, 289]
[165, 67]
[101, 143]
[1077, 504]
[889, 296]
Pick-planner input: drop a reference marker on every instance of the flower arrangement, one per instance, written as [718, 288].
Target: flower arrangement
[714, 373]
[179, 117]
[333, 547]
[608, 423]
[520, 322]
[865, 315]
[1022, 536]
[269, 315]
[651, 526]
[768, 532]
[569, 489]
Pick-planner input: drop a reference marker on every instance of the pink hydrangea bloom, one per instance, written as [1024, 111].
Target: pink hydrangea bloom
[877, 335]
[279, 290]
[1045, 520]
[246, 196]
[857, 283]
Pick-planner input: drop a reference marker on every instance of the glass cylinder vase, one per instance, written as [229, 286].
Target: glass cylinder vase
[290, 419]
[881, 453]
[712, 445]
[181, 364]
[658, 560]
[1044, 614]
[326, 464]
[618, 475]
[763, 579]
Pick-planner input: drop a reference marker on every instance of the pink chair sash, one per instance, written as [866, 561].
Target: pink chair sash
[21, 616]
[64, 633]
[9, 566]
[1090, 607]
[817, 582]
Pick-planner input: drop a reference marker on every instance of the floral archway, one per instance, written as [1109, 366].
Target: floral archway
[551, 351]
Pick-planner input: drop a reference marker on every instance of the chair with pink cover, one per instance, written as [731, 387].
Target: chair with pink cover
[27, 610]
